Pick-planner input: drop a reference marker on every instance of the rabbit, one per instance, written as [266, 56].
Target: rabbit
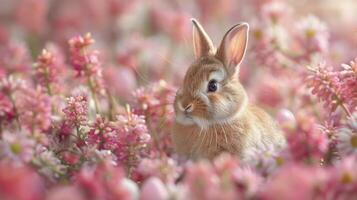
[212, 110]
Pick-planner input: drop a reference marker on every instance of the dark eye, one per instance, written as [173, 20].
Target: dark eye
[212, 86]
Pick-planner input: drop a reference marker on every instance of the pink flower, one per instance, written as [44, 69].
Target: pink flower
[125, 86]
[47, 70]
[103, 182]
[84, 61]
[326, 85]
[87, 64]
[155, 102]
[6, 109]
[247, 182]
[76, 111]
[133, 138]
[127, 137]
[164, 168]
[348, 78]
[20, 182]
[65, 192]
[202, 182]
[34, 107]
[306, 141]
[9, 85]
[103, 134]
[153, 189]
[294, 182]
[270, 92]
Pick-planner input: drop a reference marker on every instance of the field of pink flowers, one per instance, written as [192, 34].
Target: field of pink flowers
[87, 86]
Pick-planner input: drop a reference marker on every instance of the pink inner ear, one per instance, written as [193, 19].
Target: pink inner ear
[202, 44]
[196, 43]
[233, 46]
[236, 46]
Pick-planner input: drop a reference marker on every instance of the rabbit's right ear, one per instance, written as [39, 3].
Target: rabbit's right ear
[202, 44]
[233, 47]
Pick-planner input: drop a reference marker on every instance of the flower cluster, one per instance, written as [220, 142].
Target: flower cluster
[48, 67]
[155, 103]
[127, 137]
[335, 88]
[84, 119]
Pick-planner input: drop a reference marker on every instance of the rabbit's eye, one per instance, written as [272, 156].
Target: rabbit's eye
[212, 86]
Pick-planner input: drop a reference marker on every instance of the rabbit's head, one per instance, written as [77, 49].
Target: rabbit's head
[211, 92]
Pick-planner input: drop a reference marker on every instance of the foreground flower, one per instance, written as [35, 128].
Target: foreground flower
[164, 168]
[127, 137]
[20, 182]
[154, 189]
[155, 103]
[204, 180]
[104, 181]
[343, 179]
[133, 138]
[294, 182]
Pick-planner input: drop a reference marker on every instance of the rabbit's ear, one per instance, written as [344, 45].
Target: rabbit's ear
[233, 47]
[202, 44]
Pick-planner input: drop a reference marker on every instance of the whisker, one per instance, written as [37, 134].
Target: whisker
[224, 133]
[216, 135]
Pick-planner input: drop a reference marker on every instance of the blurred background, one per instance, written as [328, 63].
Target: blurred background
[293, 69]
[144, 41]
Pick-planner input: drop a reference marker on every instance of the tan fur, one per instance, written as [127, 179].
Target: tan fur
[252, 129]
[224, 120]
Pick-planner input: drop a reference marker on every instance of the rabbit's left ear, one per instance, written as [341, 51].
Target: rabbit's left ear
[202, 43]
[233, 47]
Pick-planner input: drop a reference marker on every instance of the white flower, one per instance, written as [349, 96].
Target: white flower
[347, 137]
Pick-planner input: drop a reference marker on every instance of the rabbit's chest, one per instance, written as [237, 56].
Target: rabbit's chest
[217, 139]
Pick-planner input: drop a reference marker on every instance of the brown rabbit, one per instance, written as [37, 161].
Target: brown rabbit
[213, 113]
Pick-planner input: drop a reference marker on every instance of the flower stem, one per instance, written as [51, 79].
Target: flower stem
[344, 108]
[91, 87]
[12, 100]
